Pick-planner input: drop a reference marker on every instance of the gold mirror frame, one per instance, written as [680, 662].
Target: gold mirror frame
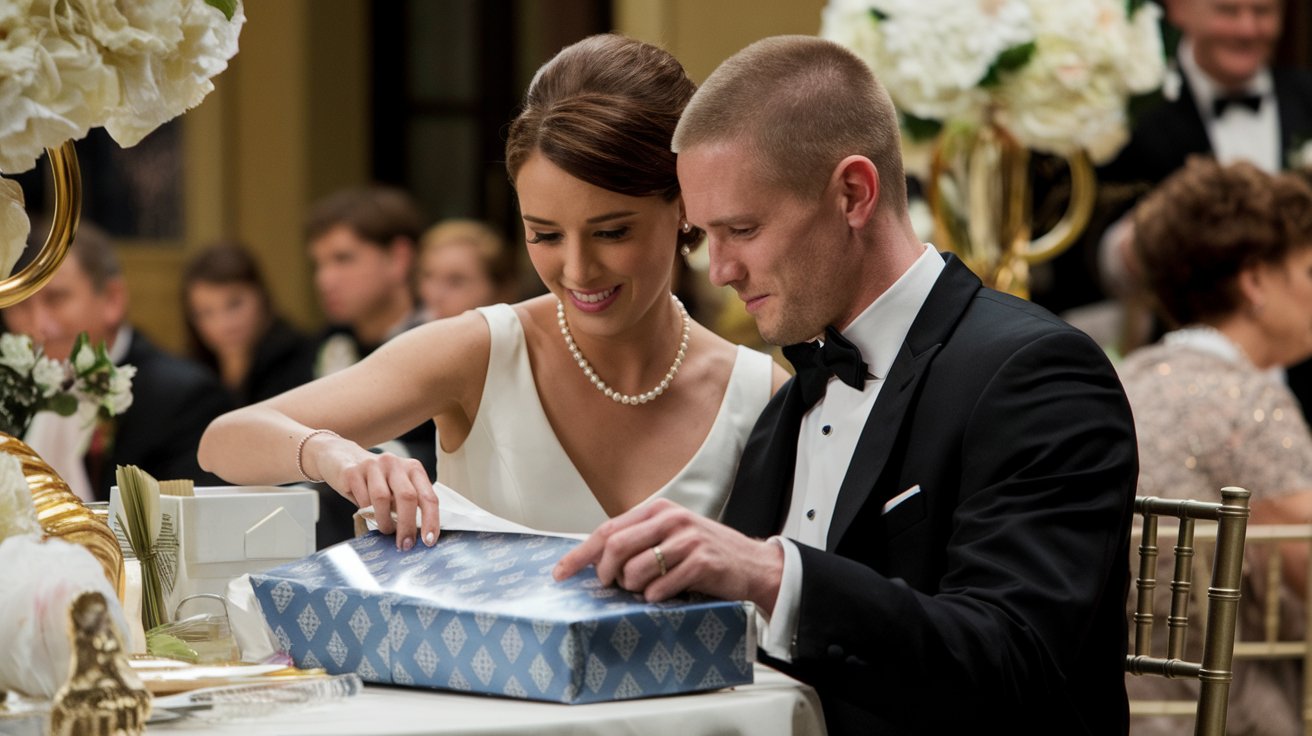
[68, 208]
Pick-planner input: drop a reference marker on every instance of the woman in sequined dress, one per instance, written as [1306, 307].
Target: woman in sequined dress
[1227, 254]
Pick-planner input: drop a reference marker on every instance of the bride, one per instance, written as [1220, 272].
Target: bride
[566, 409]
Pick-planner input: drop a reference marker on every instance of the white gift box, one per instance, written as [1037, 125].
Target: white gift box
[226, 531]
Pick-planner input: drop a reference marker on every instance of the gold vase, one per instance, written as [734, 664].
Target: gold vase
[979, 193]
[63, 225]
[63, 515]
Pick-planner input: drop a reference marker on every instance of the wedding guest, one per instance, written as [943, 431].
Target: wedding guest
[233, 329]
[1227, 252]
[643, 403]
[362, 242]
[1223, 98]
[172, 399]
[463, 264]
[933, 516]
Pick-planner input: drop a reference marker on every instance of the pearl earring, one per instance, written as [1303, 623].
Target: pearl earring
[685, 251]
[686, 227]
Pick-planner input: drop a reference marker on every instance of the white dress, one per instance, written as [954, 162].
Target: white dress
[513, 465]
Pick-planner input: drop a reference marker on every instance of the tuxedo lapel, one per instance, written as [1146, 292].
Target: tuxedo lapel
[1295, 119]
[762, 488]
[939, 315]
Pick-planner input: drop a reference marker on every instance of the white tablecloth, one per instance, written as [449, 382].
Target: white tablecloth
[774, 705]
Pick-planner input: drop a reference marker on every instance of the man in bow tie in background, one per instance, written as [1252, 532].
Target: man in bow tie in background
[932, 518]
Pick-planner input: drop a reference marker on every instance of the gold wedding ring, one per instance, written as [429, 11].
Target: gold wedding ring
[660, 559]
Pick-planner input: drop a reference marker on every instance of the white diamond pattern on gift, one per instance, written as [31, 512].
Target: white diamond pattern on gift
[454, 637]
[400, 676]
[384, 652]
[542, 555]
[366, 671]
[541, 673]
[510, 579]
[360, 624]
[337, 649]
[371, 555]
[457, 681]
[397, 631]
[604, 593]
[628, 688]
[710, 631]
[365, 542]
[470, 586]
[595, 674]
[712, 680]
[310, 661]
[426, 658]
[681, 661]
[542, 629]
[625, 638]
[425, 614]
[514, 689]
[658, 661]
[570, 651]
[465, 574]
[590, 584]
[739, 656]
[675, 618]
[308, 621]
[483, 666]
[497, 551]
[503, 565]
[334, 599]
[284, 641]
[385, 605]
[485, 621]
[282, 594]
[410, 560]
[511, 643]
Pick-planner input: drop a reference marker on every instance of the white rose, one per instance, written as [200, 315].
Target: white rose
[17, 515]
[14, 225]
[16, 352]
[49, 375]
[84, 357]
[119, 398]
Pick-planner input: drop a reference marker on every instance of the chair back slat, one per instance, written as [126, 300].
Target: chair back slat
[1216, 668]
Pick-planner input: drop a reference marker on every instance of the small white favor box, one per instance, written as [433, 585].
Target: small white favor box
[226, 531]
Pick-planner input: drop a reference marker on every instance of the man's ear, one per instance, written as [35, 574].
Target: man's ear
[858, 186]
[114, 305]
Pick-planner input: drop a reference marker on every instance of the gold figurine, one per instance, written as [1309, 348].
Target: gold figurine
[103, 696]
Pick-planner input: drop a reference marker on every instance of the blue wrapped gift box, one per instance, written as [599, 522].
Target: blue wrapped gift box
[480, 612]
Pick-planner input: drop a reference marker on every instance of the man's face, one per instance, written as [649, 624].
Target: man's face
[355, 278]
[785, 256]
[1232, 39]
[68, 304]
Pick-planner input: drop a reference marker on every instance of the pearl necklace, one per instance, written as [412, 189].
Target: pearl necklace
[611, 393]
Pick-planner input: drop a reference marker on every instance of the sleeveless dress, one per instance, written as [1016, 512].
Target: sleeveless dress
[513, 465]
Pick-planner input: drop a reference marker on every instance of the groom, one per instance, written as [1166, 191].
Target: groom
[932, 518]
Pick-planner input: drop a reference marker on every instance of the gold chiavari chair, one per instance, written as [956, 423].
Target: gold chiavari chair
[1214, 671]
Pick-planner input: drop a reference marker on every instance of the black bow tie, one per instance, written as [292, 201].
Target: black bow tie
[1252, 102]
[815, 363]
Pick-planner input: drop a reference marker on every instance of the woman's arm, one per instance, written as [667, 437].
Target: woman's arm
[433, 370]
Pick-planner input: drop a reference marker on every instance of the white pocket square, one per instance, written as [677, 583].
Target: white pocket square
[899, 498]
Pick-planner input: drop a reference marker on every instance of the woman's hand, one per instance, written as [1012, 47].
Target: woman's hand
[385, 481]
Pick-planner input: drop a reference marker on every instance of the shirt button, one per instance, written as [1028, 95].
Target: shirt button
[810, 514]
[825, 430]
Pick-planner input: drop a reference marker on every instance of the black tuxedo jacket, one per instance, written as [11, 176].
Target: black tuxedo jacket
[996, 595]
[173, 401]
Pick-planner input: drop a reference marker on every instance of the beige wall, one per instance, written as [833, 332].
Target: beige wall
[702, 33]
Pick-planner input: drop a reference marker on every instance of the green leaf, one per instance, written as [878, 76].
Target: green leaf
[1008, 61]
[227, 7]
[921, 129]
[1132, 5]
[65, 405]
[161, 644]
[878, 14]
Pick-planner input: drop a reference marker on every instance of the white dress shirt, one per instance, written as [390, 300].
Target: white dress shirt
[828, 436]
[62, 441]
[1238, 134]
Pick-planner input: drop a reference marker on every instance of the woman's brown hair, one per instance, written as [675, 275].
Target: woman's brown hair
[604, 110]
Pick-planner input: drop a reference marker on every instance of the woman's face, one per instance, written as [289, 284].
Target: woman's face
[453, 279]
[228, 317]
[607, 256]
[1285, 313]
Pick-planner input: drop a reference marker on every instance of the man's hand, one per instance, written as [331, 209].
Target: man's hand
[698, 554]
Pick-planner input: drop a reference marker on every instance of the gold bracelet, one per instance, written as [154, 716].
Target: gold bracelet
[300, 450]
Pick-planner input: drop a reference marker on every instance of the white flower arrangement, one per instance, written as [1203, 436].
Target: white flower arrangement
[1056, 74]
[89, 384]
[67, 66]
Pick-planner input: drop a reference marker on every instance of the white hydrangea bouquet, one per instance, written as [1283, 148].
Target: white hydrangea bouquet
[1056, 74]
[88, 384]
[67, 66]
